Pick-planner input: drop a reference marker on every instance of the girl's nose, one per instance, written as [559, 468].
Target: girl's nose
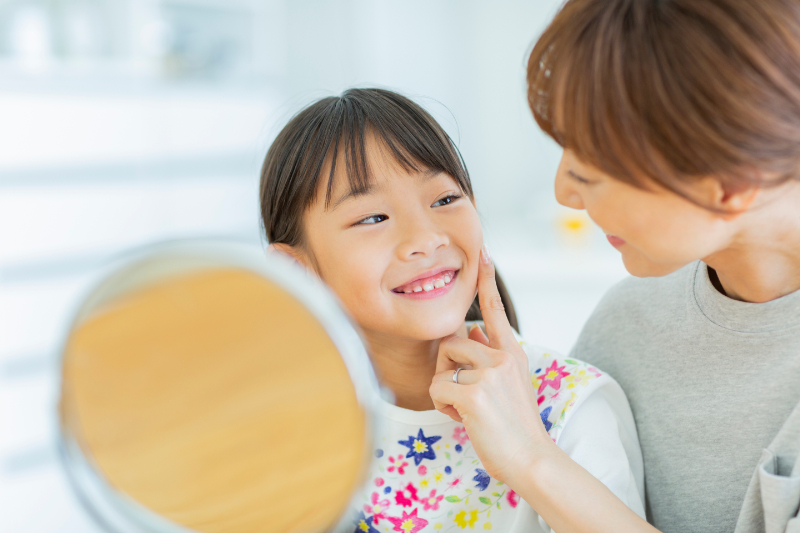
[422, 240]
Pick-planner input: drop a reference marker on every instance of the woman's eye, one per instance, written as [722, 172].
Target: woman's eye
[374, 219]
[446, 200]
[579, 179]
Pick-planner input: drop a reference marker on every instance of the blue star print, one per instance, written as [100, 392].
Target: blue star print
[419, 447]
[483, 479]
[545, 414]
[364, 524]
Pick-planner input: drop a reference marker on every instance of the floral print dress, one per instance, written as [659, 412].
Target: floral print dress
[426, 477]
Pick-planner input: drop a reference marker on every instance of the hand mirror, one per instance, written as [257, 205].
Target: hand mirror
[208, 388]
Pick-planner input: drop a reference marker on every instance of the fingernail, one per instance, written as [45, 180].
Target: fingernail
[485, 256]
[472, 328]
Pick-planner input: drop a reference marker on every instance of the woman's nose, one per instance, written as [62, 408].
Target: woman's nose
[566, 192]
[421, 240]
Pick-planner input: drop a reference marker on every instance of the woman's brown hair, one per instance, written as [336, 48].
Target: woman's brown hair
[673, 90]
[294, 165]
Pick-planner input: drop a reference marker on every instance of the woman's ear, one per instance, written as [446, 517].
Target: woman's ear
[731, 203]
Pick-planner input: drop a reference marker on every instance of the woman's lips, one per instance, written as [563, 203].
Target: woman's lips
[616, 242]
[430, 287]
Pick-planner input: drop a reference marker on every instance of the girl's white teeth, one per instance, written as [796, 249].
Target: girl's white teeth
[447, 279]
[408, 291]
[417, 289]
[439, 283]
[427, 287]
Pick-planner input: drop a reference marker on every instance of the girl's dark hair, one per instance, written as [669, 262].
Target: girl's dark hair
[673, 90]
[336, 130]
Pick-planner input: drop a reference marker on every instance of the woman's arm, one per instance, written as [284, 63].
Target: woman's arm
[497, 404]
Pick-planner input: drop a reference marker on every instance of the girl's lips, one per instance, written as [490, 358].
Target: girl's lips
[616, 242]
[430, 287]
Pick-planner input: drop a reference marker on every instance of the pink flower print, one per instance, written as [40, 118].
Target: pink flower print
[552, 376]
[406, 501]
[379, 482]
[455, 482]
[377, 508]
[460, 435]
[512, 498]
[422, 470]
[432, 501]
[594, 371]
[408, 523]
[400, 499]
[399, 463]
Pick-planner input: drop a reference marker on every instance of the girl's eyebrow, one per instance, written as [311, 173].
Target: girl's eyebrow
[350, 194]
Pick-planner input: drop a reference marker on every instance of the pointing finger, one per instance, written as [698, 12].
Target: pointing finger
[498, 329]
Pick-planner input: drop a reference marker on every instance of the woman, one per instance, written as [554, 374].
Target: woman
[680, 123]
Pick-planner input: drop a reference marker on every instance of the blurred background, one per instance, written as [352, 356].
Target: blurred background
[124, 122]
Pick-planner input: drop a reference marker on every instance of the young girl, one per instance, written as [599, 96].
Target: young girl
[369, 192]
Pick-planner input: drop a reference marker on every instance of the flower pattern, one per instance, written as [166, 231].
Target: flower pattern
[432, 501]
[581, 377]
[408, 523]
[420, 447]
[364, 524]
[377, 507]
[438, 482]
[398, 463]
[460, 435]
[552, 377]
[464, 519]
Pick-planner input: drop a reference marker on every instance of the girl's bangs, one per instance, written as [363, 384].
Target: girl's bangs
[403, 131]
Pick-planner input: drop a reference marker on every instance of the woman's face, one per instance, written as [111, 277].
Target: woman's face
[403, 257]
[656, 231]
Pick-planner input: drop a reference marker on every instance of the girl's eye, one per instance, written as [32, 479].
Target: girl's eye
[446, 200]
[374, 219]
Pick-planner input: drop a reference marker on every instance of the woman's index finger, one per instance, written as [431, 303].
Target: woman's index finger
[493, 311]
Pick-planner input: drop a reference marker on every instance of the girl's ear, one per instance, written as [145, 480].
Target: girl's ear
[289, 251]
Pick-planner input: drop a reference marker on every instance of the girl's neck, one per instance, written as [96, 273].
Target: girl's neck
[406, 366]
[762, 261]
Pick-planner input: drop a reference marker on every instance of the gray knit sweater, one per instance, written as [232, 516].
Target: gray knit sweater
[712, 383]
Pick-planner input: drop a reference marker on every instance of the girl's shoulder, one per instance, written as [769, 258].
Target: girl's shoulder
[562, 384]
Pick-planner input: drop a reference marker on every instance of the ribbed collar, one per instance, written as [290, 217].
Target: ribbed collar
[412, 418]
[769, 317]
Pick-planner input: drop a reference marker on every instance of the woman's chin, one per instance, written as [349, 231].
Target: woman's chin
[641, 267]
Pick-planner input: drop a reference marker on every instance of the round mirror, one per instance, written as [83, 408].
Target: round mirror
[208, 388]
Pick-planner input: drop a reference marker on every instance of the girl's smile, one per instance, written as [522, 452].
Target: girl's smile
[429, 285]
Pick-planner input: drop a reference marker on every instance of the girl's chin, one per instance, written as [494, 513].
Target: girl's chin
[435, 328]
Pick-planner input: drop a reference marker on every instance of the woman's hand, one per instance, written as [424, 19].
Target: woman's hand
[495, 399]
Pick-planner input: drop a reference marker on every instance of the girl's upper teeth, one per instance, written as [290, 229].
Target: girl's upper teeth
[434, 282]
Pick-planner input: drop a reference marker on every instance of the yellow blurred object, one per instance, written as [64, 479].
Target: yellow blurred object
[217, 400]
[574, 227]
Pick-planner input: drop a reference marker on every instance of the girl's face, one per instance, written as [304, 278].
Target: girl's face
[403, 257]
[656, 231]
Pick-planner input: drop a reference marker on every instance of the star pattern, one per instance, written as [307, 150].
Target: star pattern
[420, 447]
